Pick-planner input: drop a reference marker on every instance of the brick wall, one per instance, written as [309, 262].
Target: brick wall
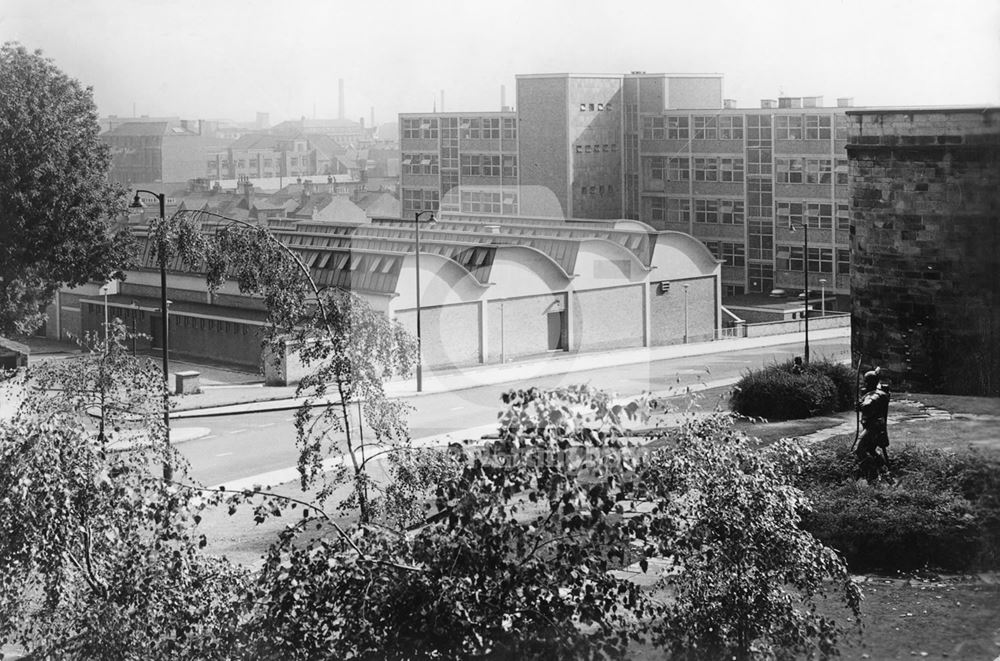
[925, 205]
[667, 312]
[606, 318]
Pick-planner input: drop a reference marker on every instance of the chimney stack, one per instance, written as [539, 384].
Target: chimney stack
[340, 107]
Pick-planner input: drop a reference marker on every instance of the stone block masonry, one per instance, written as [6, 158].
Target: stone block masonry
[925, 246]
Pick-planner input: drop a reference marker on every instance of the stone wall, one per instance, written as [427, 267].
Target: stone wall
[925, 244]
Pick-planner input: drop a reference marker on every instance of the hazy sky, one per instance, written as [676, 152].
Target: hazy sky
[232, 58]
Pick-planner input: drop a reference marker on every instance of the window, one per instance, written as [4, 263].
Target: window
[653, 128]
[587, 149]
[819, 171]
[730, 128]
[658, 208]
[470, 165]
[472, 128]
[759, 198]
[677, 128]
[509, 166]
[678, 210]
[841, 127]
[818, 127]
[678, 169]
[789, 258]
[713, 247]
[731, 212]
[600, 107]
[820, 260]
[706, 169]
[658, 168]
[490, 165]
[419, 164]
[491, 128]
[788, 127]
[482, 202]
[819, 215]
[732, 290]
[429, 129]
[843, 262]
[758, 161]
[789, 214]
[789, 170]
[733, 254]
[509, 131]
[411, 129]
[420, 199]
[842, 170]
[843, 217]
[731, 169]
[211, 165]
[706, 128]
[706, 211]
[583, 107]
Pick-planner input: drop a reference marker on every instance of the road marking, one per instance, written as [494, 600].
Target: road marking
[223, 454]
[237, 431]
[210, 436]
[457, 408]
[268, 424]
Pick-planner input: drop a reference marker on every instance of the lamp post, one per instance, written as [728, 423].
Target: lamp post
[822, 299]
[168, 471]
[420, 359]
[805, 281]
[685, 287]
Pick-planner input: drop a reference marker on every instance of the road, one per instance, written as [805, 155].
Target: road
[247, 445]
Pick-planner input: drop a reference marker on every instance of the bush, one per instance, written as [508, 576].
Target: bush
[776, 393]
[941, 510]
[843, 378]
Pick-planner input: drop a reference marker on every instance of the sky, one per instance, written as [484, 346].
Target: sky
[229, 59]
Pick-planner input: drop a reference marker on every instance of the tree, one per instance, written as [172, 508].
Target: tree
[55, 197]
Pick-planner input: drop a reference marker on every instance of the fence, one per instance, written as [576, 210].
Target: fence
[763, 329]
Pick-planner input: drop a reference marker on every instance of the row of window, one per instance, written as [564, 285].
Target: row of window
[810, 171]
[598, 190]
[821, 260]
[419, 164]
[816, 215]
[212, 325]
[706, 210]
[710, 168]
[492, 202]
[351, 262]
[420, 199]
[596, 149]
[803, 127]
[488, 165]
[598, 107]
[242, 164]
[732, 254]
[699, 127]
[469, 128]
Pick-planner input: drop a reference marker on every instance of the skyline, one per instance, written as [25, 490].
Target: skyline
[230, 59]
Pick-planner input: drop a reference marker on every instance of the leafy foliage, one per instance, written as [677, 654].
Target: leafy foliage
[55, 198]
[99, 558]
[777, 392]
[747, 575]
[940, 509]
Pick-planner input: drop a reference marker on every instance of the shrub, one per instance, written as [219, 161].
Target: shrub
[843, 378]
[775, 393]
[942, 509]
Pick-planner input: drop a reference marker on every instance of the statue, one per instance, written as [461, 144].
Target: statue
[873, 406]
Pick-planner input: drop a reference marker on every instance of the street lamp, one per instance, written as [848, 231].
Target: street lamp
[420, 360]
[805, 279]
[822, 299]
[164, 327]
[685, 287]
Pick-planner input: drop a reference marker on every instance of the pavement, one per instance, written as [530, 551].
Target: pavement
[231, 390]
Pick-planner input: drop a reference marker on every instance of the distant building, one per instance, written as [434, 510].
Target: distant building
[925, 200]
[493, 289]
[344, 131]
[158, 152]
[665, 149]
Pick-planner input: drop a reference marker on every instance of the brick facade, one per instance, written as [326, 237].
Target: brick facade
[925, 205]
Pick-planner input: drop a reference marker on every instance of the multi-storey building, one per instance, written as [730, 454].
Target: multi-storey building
[666, 149]
[751, 184]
